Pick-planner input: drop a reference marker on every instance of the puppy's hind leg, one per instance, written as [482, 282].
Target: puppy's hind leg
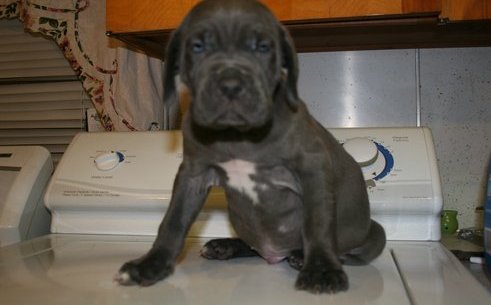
[226, 248]
[373, 246]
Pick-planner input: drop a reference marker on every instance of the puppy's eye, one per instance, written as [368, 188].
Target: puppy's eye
[264, 47]
[197, 46]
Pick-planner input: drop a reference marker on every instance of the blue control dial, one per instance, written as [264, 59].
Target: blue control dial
[389, 161]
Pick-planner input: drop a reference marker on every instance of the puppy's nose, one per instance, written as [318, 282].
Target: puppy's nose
[230, 87]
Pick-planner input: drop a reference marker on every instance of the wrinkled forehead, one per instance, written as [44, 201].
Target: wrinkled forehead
[230, 20]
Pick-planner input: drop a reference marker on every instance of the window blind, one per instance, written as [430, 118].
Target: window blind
[25, 55]
[41, 100]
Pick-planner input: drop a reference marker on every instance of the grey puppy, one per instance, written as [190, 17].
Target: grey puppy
[293, 191]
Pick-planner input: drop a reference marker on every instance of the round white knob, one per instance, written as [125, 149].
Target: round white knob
[363, 150]
[108, 161]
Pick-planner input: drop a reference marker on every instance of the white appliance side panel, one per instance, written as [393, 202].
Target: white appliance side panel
[433, 275]
[7, 179]
[28, 169]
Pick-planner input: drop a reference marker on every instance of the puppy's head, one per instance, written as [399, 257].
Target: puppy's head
[235, 59]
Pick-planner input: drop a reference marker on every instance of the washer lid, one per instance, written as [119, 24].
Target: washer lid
[80, 268]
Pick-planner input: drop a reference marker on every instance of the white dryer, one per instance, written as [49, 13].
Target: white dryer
[110, 191]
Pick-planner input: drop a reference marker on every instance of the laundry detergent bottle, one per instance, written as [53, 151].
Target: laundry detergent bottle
[487, 222]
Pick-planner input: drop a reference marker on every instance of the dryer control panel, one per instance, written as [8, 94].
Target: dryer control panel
[401, 173]
[121, 183]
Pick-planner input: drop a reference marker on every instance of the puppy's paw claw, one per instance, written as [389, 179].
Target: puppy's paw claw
[295, 260]
[143, 272]
[322, 281]
[123, 278]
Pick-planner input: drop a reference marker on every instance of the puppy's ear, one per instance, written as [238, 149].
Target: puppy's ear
[171, 69]
[290, 67]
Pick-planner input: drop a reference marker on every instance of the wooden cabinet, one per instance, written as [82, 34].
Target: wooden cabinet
[126, 16]
[458, 10]
[296, 10]
[150, 15]
[323, 25]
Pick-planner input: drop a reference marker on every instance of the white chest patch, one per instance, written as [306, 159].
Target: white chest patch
[239, 174]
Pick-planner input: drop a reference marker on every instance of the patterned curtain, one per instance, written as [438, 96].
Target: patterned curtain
[124, 86]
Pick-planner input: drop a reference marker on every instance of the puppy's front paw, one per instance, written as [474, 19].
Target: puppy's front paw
[322, 280]
[145, 271]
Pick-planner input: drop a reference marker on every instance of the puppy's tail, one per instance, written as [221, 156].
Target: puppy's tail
[371, 249]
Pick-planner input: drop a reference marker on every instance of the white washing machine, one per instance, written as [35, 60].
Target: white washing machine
[110, 191]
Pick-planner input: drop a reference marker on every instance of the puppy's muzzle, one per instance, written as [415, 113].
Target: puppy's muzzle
[230, 83]
[231, 94]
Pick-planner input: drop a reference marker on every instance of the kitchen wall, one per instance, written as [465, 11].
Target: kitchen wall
[448, 90]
